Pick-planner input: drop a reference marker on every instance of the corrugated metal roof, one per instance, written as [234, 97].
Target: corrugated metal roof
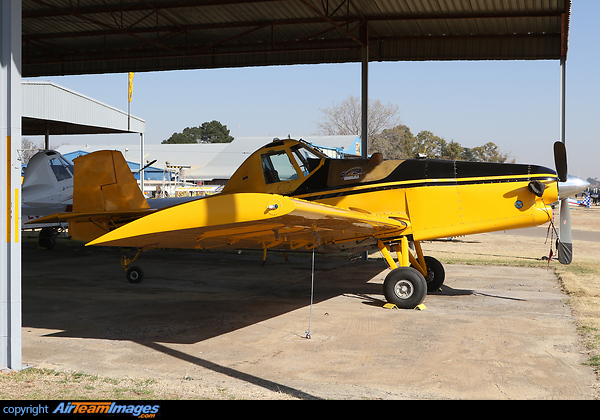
[99, 36]
[192, 155]
[48, 106]
[207, 161]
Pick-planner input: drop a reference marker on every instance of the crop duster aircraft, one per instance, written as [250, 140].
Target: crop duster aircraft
[289, 196]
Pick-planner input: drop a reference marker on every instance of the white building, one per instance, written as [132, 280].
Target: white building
[212, 163]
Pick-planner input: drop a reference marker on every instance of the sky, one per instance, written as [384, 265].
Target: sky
[515, 104]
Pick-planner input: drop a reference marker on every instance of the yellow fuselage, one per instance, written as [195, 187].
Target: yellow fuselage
[436, 198]
[289, 196]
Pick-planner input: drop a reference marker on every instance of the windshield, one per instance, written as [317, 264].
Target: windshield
[278, 167]
[61, 168]
[305, 158]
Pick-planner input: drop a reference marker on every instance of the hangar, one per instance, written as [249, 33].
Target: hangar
[52, 109]
[65, 38]
[212, 163]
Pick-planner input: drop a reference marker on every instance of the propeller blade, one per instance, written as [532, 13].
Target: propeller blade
[560, 160]
[564, 243]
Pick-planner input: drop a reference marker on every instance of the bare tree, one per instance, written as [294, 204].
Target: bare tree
[28, 149]
[345, 117]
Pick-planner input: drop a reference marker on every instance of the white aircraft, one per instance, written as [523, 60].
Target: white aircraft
[47, 188]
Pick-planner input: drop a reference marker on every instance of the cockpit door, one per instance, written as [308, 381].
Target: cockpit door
[284, 168]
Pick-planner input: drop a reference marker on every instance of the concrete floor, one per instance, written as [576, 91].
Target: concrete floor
[221, 318]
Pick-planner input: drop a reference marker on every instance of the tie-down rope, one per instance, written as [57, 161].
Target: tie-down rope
[316, 243]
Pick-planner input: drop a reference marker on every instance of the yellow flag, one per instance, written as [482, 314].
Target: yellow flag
[130, 91]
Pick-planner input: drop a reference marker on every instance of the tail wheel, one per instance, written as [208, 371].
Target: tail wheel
[435, 274]
[135, 275]
[47, 237]
[405, 287]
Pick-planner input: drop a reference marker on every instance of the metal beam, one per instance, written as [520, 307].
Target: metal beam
[364, 132]
[563, 98]
[364, 121]
[11, 109]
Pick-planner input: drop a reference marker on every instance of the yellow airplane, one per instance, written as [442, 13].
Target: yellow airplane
[289, 196]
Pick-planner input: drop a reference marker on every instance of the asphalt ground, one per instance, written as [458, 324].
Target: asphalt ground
[223, 320]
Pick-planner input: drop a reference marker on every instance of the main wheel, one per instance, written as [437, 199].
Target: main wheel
[405, 287]
[435, 274]
[135, 275]
[47, 238]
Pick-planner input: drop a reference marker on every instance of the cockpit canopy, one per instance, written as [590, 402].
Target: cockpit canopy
[279, 167]
[288, 164]
[47, 167]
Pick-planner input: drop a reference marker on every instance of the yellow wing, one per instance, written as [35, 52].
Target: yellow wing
[251, 221]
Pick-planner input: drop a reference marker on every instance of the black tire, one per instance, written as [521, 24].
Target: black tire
[435, 274]
[47, 238]
[135, 275]
[405, 287]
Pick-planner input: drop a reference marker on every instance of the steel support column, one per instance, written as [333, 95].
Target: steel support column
[563, 98]
[364, 102]
[564, 230]
[142, 162]
[11, 110]
[364, 121]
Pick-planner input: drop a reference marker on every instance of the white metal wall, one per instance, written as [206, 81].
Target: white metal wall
[10, 179]
[49, 101]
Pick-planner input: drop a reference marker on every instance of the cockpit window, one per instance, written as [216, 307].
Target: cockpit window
[278, 167]
[61, 168]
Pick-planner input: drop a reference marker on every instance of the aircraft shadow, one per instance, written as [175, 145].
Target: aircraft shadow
[446, 290]
[186, 297]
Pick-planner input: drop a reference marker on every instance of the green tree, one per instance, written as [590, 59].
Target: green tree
[467, 154]
[429, 144]
[452, 151]
[214, 132]
[400, 143]
[489, 152]
[394, 143]
[179, 138]
[208, 132]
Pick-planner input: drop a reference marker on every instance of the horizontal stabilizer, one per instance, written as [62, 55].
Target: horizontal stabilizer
[120, 216]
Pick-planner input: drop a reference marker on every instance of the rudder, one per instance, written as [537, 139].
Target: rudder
[103, 182]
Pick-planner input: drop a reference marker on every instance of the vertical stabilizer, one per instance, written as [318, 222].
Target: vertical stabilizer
[104, 182]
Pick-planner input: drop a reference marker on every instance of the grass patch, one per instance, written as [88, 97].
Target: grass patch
[34, 383]
[594, 362]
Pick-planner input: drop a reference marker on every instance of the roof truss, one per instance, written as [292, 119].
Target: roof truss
[74, 37]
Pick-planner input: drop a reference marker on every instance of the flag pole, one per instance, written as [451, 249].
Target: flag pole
[129, 94]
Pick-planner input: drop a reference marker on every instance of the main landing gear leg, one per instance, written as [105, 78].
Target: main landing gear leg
[429, 267]
[134, 274]
[404, 286]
